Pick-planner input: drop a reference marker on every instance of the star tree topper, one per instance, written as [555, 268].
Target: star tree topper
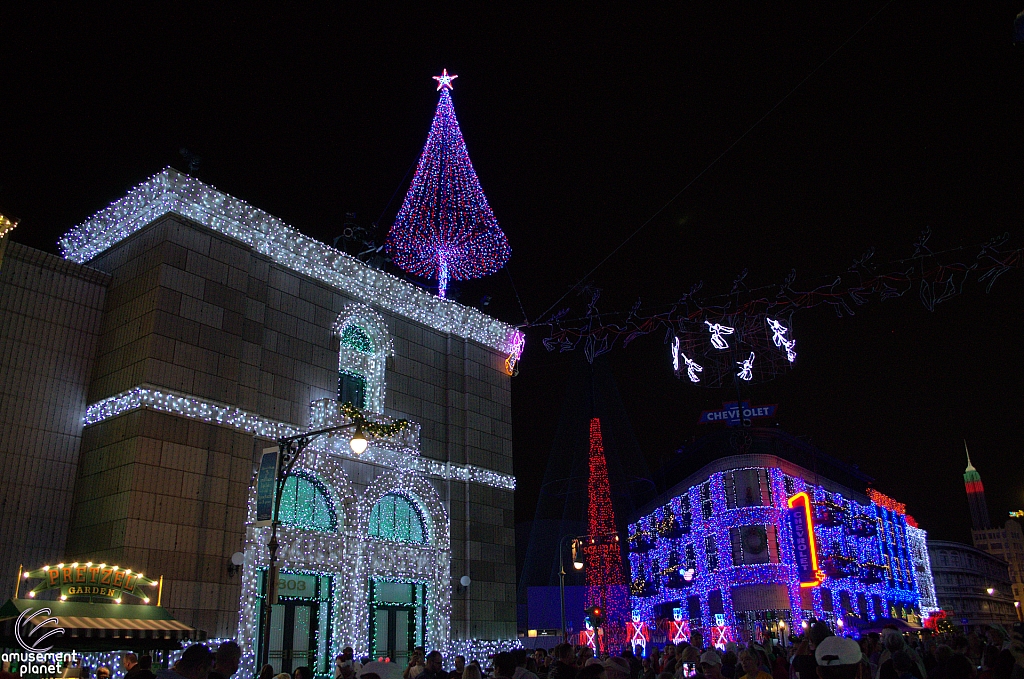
[444, 80]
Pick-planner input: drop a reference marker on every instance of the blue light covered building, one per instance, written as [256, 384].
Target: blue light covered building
[716, 551]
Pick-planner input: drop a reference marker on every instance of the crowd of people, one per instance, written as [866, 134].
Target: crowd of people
[818, 654]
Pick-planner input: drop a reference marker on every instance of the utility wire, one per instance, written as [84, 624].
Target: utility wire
[526, 319]
[715, 161]
[399, 188]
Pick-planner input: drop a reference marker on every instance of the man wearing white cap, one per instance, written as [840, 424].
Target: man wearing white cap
[710, 664]
[839, 658]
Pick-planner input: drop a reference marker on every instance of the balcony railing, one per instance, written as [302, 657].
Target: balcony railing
[326, 412]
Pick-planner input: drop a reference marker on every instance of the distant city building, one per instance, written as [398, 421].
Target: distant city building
[1006, 543]
[754, 540]
[973, 587]
[975, 495]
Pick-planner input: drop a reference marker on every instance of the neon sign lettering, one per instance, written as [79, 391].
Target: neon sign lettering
[801, 526]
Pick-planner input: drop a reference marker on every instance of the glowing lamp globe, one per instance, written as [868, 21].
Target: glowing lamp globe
[358, 442]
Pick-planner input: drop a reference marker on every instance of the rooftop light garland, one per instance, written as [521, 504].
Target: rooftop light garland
[170, 191]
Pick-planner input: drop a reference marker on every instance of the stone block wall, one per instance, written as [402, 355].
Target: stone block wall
[50, 313]
[166, 496]
[202, 314]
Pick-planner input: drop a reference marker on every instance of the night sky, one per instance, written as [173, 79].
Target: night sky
[582, 124]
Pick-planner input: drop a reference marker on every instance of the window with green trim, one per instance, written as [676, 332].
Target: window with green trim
[397, 519]
[306, 504]
[355, 338]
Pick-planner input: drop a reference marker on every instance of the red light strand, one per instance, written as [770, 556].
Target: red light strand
[606, 582]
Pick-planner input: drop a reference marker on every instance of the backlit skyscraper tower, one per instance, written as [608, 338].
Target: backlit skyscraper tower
[975, 495]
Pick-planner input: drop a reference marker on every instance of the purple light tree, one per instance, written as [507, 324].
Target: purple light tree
[445, 229]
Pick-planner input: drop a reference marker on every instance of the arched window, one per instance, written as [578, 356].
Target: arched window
[362, 355]
[397, 518]
[355, 338]
[352, 384]
[305, 504]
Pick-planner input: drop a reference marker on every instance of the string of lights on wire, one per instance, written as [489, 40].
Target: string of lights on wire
[445, 229]
[747, 333]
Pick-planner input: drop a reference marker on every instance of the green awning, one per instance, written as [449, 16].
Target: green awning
[109, 626]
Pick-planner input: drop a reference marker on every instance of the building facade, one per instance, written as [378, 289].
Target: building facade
[182, 333]
[1006, 543]
[973, 587]
[929, 602]
[720, 553]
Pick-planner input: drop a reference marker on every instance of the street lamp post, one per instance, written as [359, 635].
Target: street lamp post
[576, 564]
[290, 448]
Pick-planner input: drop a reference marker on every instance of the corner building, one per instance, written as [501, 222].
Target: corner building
[192, 330]
[717, 551]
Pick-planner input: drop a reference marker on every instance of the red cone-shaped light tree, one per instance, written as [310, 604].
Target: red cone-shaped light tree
[606, 582]
[445, 229]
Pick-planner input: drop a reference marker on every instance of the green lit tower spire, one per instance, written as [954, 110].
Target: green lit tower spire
[975, 495]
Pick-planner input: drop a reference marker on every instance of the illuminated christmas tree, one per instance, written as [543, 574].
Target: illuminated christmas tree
[445, 230]
[606, 582]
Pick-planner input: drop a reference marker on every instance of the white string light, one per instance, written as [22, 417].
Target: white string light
[779, 338]
[170, 191]
[352, 558]
[399, 452]
[746, 368]
[717, 330]
[692, 368]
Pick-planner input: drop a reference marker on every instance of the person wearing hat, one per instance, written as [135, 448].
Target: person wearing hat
[804, 665]
[839, 658]
[710, 664]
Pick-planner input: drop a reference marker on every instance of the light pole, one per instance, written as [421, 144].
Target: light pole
[290, 448]
[577, 564]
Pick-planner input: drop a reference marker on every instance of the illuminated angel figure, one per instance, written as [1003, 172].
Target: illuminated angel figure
[692, 369]
[746, 368]
[790, 350]
[717, 330]
[779, 332]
